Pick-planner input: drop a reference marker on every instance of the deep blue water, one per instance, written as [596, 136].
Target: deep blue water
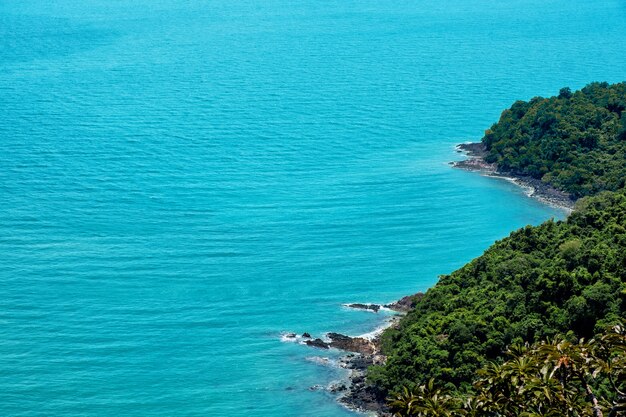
[182, 181]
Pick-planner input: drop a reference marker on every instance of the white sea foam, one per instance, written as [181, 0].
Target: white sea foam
[379, 330]
[285, 337]
[322, 360]
[529, 190]
[382, 307]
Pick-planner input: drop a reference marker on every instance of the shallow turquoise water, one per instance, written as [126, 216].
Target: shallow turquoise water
[183, 181]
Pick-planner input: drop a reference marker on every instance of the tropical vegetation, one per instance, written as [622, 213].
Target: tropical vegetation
[522, 329]
[552, 378]
[561, 277]
[575, 141]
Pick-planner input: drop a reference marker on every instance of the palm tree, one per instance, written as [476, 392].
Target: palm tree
[554, 378]
[425, 401]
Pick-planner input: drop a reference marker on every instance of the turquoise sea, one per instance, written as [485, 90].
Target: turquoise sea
[183, 181]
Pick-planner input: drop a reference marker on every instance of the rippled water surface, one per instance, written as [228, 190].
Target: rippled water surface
[182, 181]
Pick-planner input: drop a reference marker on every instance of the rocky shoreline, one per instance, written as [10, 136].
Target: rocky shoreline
[476, 153]
[364, 351]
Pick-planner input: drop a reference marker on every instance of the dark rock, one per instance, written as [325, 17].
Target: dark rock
[475, 164]
[476, 153]
[359, 306]
[338, 388]
[306, 335]
[360, 395]
[290, 335]
[318, 343]
[475, 149]
[364, 397]
[405, 304]
[351, 344]
[360, 363]
[358, 380]
[540, 190]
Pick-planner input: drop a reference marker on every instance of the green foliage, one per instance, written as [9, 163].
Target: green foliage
[425, 400]
[552, 378]
[563, 277]
[574, 141]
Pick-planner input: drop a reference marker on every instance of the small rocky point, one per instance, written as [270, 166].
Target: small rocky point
[343, 342]
[403, 305]
[359, 306]
[476, 153]
[360, 395]
[406, 304]
[357, 393]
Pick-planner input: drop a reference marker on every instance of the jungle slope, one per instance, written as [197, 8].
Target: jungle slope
[562, 277]
[574, 142]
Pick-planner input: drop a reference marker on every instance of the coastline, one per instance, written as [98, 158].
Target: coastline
[364, 351]
[355, 393]
[359, 396]
[534, 188]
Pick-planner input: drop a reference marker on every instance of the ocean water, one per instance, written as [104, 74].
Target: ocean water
[183, 181]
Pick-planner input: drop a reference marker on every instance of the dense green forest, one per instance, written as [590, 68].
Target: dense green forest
[562, 277]
[552, 378]
[512, 332]
[575, 142]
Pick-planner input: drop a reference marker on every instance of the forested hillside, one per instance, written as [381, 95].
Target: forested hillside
[562, 277]
[575, 142]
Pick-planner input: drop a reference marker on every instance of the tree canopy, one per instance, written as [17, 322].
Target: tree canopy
[562, 277]
[575, 141]
[552, 378]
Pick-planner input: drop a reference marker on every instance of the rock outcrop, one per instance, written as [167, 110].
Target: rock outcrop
[359, 306]
[352, 344]
[318, 343]
[405, 304]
